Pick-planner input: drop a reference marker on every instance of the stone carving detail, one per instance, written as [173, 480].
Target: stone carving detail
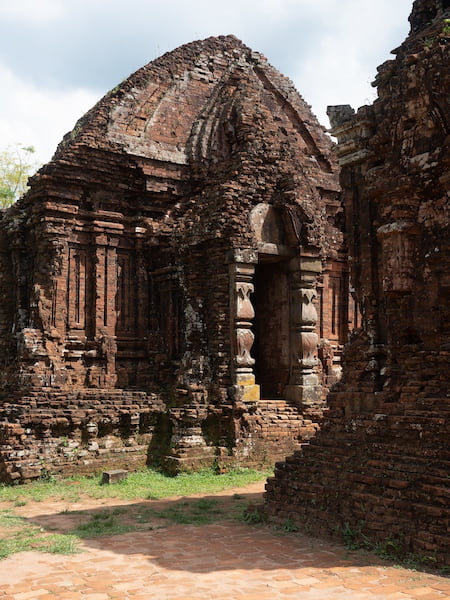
[244, 343]
[242, 337]
[304, 319]
[305, 340]
[305, 349]
[244, 307]
[303, 387]
[308, 310]
[243, 314]
[398, 245]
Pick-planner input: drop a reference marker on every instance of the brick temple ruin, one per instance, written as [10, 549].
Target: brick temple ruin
[176, 291]
[378, 471]
[174, 283]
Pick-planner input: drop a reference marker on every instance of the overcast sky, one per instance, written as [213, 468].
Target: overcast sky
[58, 57]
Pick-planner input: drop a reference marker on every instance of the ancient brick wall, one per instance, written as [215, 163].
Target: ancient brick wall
[378, 470]
[52, 432]
[130, 268]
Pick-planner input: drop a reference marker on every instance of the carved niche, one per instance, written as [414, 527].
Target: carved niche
[398, 245]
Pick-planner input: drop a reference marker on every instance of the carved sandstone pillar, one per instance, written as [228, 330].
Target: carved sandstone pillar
[303, 389]
[242, 270]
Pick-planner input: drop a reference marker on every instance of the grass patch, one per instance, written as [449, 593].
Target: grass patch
[145, 484]
[103, 523]
[142, 485]
[18, 535]
[252, 515]
[200, 512]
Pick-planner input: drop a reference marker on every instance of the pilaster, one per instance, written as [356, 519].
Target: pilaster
[242, 269]
[304, 389]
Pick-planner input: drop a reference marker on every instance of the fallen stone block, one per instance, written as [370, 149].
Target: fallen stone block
[113, 476]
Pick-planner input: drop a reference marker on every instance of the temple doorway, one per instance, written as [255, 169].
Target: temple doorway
[271, 326]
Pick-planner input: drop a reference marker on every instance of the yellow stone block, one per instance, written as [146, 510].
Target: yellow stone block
[250, 393]
[245, 380]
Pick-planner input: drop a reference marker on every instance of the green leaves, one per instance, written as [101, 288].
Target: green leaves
[16, 165]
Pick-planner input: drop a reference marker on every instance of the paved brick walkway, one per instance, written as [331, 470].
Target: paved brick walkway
[224, 561]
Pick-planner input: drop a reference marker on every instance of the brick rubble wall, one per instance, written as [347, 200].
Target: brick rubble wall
[379, 468]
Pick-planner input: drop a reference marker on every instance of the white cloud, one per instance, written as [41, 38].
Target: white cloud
[38, 117]
[40, 11]
[58, 56]
[354, 40]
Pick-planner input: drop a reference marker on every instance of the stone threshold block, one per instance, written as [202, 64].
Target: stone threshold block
[113, 476]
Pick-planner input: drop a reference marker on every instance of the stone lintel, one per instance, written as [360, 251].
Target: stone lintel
[312, 264]
[245, 255]
[276, 249]
[398, 227]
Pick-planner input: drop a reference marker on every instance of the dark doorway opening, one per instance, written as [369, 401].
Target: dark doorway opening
[271, 327]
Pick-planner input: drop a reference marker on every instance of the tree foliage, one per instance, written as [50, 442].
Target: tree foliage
[16, 165]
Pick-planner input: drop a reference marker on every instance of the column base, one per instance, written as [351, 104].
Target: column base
[303, 396]
[248, 390]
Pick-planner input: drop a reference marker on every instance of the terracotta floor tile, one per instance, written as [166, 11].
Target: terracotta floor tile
[421, 592]
[223, 561]
[30, 595]
[432, 595]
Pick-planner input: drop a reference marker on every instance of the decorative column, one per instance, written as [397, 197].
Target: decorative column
[105, 320]
[242, 270]
[303, 388]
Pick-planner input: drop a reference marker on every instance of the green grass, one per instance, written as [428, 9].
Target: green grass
[200, 512]
[104, 522]
[18, 535]
[142, 484]
[184, 512]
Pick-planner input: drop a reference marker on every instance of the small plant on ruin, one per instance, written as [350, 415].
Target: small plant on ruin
[429, 42]
[388, 549]
[288, 527]
[252, 515]
[46, 476]
[352, 537]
